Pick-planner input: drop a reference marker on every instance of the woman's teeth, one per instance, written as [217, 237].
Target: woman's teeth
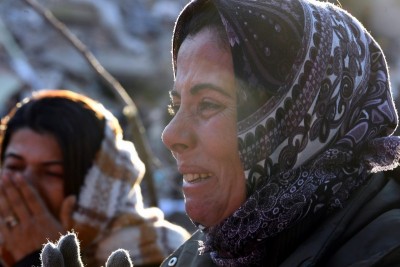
[195, 177]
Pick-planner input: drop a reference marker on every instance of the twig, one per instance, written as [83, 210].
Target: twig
[130, 109]
[18, 60]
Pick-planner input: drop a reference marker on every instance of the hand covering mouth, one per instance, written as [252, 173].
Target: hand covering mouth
[195, 177]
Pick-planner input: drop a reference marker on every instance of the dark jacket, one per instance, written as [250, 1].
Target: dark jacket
[366, 232]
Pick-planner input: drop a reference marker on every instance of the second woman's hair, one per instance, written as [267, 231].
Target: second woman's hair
[73, 119]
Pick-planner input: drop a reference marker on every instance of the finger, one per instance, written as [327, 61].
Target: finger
[6, 172]
[1, 241]
[4, 208]
[67, 208]
[51, 256]
[14, 191]
[8, 194]
[119, 258]
[31, 198]
[69, 247]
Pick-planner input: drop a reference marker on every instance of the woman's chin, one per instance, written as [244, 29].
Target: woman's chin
[205, 214]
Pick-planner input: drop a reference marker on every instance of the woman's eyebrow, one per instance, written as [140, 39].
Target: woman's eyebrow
[12, 155]
[16, 156]
[202, 86]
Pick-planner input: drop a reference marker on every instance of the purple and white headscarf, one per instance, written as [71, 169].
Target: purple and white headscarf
[323, 128]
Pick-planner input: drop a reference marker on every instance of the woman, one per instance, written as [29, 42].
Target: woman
[66, 168]
[282, 127]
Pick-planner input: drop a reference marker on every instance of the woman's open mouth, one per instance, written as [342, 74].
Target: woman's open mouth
[195, 177]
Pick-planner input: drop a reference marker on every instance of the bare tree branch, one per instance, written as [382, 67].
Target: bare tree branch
[130, 110]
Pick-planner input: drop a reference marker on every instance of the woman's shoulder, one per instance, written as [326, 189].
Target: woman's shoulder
[372, 236]
[364, 232]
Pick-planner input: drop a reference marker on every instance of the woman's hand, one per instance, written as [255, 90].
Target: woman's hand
[25, 221]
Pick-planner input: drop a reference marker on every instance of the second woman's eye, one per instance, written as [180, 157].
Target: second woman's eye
[53, 174]
[14, 167]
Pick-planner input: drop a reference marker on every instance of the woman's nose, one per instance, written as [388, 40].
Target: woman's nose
[178, 136]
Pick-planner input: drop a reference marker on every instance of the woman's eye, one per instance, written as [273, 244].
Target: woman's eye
[173, 109]
[209, 106]
[13, 167]
[53, 174]
[205, 108]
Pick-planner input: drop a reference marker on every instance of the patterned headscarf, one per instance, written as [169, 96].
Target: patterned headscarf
[324, 123]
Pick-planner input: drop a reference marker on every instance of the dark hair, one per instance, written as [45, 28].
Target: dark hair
[73, 119]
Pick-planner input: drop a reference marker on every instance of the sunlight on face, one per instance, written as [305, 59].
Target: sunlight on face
[203, 135]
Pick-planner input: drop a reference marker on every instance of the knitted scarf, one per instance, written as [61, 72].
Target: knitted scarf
[322, 123]
[110, 213]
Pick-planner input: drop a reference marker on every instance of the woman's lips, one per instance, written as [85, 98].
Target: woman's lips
[195, 177]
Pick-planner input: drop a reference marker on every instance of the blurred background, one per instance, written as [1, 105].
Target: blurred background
[131, 39]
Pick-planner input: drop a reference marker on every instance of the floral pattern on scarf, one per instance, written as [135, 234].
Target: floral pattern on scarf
[325, 126]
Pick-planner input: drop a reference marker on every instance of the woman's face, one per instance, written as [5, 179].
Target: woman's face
[203, 135]
[39, 159]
